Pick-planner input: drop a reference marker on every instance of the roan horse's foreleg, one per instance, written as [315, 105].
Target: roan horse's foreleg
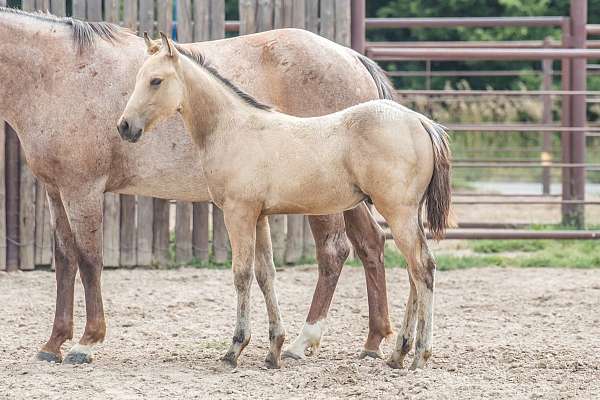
[332, 250]
[240, 221]
[65, 261]
[85, 217]
[368, 240]
[265, 276]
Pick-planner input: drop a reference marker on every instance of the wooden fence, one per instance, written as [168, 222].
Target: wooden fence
[139, 231]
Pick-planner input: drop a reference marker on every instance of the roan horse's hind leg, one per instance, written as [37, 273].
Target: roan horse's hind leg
[85, 217]
[410, 239]
[65, 261]
[240, 221]
[265, 276]
[332, 250]
[368, 240]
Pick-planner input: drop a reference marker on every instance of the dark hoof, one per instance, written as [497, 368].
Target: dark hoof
[377, 354]
[394, 364]
[229, 360]
[289, 354]
[49, 357]
[271, 362]
[77, 358]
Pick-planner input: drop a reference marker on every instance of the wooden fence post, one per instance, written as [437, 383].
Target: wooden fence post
[3, 128]
[13, 173]
[26, 217]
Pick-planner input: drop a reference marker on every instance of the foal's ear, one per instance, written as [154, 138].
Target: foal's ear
[152, 46]
[168, 46]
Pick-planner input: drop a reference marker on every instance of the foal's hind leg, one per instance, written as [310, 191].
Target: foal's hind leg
[240, 221]
[65, 261]
[265, 276]
[410, 239]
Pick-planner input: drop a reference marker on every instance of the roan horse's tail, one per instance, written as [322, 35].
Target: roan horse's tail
[439, 193]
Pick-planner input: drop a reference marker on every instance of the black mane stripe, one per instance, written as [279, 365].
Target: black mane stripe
[84, 33]
[199, 59]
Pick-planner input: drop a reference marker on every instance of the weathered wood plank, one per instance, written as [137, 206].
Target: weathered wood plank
[279, 14]
[201, 20]
[145, 219]
[217, 19]
[42, 5]
[147, 17]
[164, 16]
[342, 22]
[130, 15]
[2, 3]
[247, 16]
[79, 9]
[3, 128]
[220, 244]
[294, 239]
[327, 28]
[288, 13]
[200, 247]
[127, 245]
[185, 32]
[161, 232]
[43, 237]
[94, 9]
[58, 7]
[265, 15]
[277, 224]
[111, 11]
[26, 217]
[183, 233]
[112, 229]
[308, 249]
[299, 14]
[312, 15]
[13, 173]
[28, 5]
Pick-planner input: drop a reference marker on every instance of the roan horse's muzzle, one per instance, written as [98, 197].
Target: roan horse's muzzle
[128, 132]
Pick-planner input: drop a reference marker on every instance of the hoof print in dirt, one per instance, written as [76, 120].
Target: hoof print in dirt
[77, 358]
[376, 354]
[48, 357]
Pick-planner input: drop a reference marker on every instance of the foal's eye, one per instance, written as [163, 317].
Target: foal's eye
[155, 82]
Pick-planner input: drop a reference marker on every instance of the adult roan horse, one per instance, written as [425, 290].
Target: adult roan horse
[65, 82]
[258, 162]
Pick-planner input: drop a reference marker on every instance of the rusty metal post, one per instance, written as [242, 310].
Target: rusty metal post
[578, 110]
[546, 155]
[358, 26]
[565, 139]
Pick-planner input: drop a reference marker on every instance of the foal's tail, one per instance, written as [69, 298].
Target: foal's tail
[439, 193]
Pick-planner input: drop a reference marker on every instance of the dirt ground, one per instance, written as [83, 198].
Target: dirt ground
[499, 333]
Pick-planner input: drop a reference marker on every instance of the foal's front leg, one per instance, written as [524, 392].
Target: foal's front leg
[265, 276]
[240, 220]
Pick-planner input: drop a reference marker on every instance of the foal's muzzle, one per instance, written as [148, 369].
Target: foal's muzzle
[129, 132]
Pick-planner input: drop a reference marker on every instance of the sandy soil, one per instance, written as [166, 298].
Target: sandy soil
[499, 333]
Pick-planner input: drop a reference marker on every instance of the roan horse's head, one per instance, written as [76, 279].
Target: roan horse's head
[158, 91]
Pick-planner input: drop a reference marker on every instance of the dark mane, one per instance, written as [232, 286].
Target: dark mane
[199, 59]
[84, 33]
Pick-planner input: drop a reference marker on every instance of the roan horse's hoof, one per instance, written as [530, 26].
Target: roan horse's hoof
[49, 357]
[229, 360]
[271, 362]
[79, 354]
[377, 354]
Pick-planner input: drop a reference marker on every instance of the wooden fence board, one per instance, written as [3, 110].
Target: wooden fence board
[220, 238]
[28, 5]
[127, 242]
[247, 10]
[342, 22]
[26, 217]
[145, 220]
[299, 14]
[164, 16]
[13, 173]
[79, 9]
[200, 228]
[185, 32]
[217, 19]
[58, 7]
[94, 9]
[2, 3]
[112, 229]
[308, 249]
[327, 28]
[3, 129]
[147, 17]
[43, 235]
[130, 15]
[265, 15]
[312, 15]
[111, 11]
[183, 233]
[202, 20]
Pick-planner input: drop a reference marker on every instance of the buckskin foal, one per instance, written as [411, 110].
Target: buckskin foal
[258, 162]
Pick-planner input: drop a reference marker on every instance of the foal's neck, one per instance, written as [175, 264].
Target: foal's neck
[211, 108]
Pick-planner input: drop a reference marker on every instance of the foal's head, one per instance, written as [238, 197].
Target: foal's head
[158, 91]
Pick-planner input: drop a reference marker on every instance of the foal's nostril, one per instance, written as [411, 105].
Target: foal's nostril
[123, 128]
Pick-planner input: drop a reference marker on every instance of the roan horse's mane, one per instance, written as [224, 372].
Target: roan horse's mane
[199, 59]
[84, 33]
